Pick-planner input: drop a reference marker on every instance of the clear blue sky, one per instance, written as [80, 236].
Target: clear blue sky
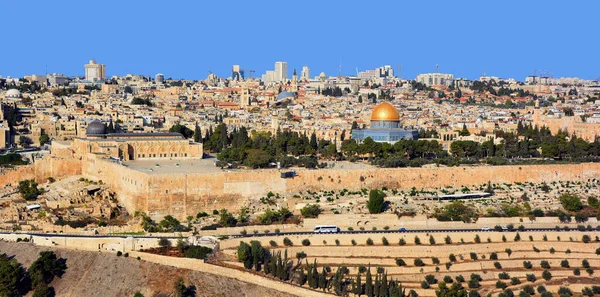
[186, 39]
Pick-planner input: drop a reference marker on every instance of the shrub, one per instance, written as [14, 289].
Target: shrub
[536, 249]
[585, 238]
[353, 242]
[587, 291]
[501, 285]
[448, 265]
[477, 239]
[448, 279]
[590, 271]
[452, 257]
[435, 260]
[402, 241]
[419, 262]
[119, 254]
[287, 242]
[448, 240]
[473, 284]
[552, 250]
[571, 202]
[473, 256]
[527, 264]
[585, 263]
[564, 291]
[541, 289]
[545, 238]
[503, 275]
[369, 241]
[576, 272]
[337, 242]
[493, 256]
[305, 242]
[362, 269]
[431, 240]
[430, 279]
[564, 263]
[531, 277]
[417, 240]
[497, 265]
[384, 241]
[515, 281]
[503, 238]
[547, 275]
[474, 293]
[273, 243]
[528, 289]
[424, 285]
[300, 255]
[311, 211]
[517, 237]
[544, 264]
[460, 279]
[400, 262]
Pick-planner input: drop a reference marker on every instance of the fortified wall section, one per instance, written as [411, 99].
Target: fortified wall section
[182, 194]
[406, 178]
[41, 170]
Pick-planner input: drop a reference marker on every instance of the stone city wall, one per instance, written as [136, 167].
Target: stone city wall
[41, 170]
[182, 194]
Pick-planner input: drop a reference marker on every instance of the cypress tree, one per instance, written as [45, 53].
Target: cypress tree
[197, 134]
[323, 279]
[383, 291]
[359, 290]
[369, 283]
[377, 286]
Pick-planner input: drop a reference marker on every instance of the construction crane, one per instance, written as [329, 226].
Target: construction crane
[249, 71]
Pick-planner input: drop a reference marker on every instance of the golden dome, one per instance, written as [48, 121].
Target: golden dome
[385, 112]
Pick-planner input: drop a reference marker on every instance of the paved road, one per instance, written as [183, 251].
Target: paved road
[157, 235]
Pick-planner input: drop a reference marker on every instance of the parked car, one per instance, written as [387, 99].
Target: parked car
[485, 229]
[402, 229]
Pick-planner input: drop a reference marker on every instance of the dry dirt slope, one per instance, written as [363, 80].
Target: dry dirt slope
[97, 274]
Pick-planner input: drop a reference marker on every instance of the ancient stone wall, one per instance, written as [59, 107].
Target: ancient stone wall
[183, 194]
[41, 170]
[186, 194]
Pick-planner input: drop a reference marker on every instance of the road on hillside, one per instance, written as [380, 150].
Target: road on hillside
[306, 233]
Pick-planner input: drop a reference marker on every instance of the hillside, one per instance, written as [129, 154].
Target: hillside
[100, 274]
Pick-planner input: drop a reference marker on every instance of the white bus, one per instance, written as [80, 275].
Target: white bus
[327, 229]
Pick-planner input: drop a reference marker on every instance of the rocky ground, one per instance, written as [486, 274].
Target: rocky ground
[99, 275]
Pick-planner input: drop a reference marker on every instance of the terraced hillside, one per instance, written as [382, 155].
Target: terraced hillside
[519, 261]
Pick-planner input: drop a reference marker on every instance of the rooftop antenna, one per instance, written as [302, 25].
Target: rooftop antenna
[46, 68]
[437, 66]
[356, 71]
[340, 69]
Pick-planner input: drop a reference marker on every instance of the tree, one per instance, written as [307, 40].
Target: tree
[25, 141]
[44, 138]
[456, 290]
[138, 294]
[181, 129]
[311, 211]
[464, 131]
[181, 290]
[375, 203]
[12, 275]
[197, 134]
[164, 243]
[28, 189]
[169, 223]
[45, 268]
[571, 202]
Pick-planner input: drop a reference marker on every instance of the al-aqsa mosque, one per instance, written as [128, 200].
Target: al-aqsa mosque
[385, 126]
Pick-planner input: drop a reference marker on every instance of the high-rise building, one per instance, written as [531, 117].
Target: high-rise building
[237, 74]
[435, 79]
[281, 72]
[95, 71]
[268, 77]
[305, 74]
[160, 78]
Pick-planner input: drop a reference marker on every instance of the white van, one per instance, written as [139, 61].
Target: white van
[326, 229]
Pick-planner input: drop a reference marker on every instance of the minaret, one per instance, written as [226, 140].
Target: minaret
[295, 81]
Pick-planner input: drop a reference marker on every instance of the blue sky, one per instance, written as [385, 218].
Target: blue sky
[187, 39]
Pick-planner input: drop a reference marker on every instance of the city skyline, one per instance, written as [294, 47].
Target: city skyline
[464, 39]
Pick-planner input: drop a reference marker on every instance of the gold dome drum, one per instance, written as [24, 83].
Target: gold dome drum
[385, 112]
